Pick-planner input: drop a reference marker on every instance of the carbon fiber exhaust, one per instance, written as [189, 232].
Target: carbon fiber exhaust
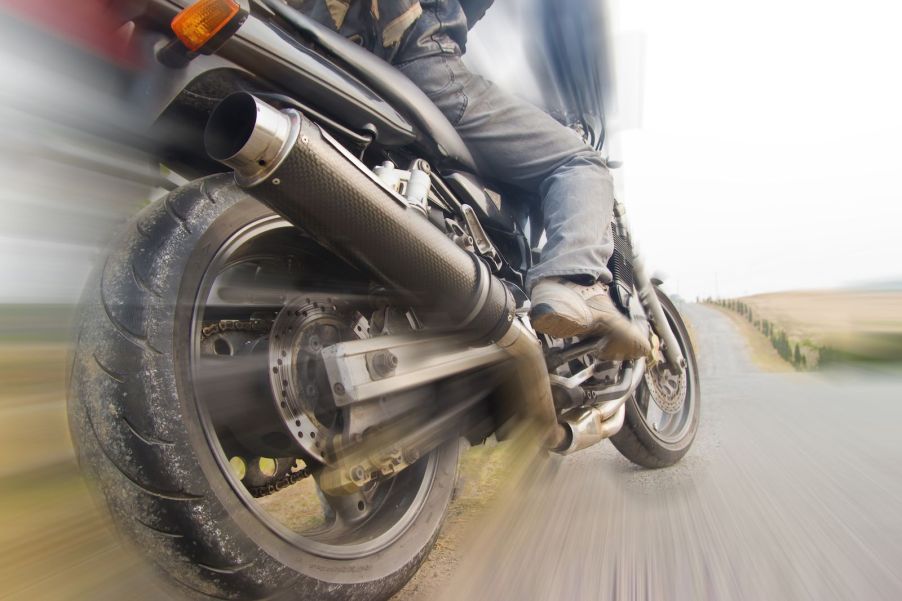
[289, 164]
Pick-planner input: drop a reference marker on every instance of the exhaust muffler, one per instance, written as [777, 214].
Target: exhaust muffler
[289, 164]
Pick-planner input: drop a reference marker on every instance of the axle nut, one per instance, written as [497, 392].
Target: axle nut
[382, 364]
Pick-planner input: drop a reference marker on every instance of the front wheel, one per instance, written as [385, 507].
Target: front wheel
[662, 416]
[174, 417]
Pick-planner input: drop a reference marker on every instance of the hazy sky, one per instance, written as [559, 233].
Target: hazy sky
[770, 146]
[762, 142]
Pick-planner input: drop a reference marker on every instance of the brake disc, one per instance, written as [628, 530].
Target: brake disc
[297, 373]
[667, 389]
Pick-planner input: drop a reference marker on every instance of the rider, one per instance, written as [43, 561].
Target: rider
[519, 145]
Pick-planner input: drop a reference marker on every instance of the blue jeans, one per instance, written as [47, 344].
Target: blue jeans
[516, 143]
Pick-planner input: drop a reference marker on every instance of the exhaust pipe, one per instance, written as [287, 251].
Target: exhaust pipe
[289, 164]
[590, 426]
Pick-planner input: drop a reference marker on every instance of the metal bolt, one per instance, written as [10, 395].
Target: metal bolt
[339, 388]
[305, 140]
[276, 181]
[385, 363]
[357, 474]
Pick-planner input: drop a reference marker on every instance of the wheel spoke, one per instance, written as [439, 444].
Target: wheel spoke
[329, 515]
[349, 509]
[653, 414]
[228, 384]
[247, 285]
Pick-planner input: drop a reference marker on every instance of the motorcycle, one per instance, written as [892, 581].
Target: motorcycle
[280, 360]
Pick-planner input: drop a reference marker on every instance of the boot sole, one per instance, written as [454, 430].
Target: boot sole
[558, 326]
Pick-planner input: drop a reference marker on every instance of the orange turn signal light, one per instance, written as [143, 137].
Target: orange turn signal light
[200, 22]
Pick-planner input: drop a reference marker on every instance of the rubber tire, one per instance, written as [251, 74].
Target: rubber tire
[635, 440]
[137, 431]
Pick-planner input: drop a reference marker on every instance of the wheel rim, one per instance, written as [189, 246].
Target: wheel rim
[346, 527]
[668, 423]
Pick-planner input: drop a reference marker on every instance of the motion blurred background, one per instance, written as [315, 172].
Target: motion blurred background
[760, 166]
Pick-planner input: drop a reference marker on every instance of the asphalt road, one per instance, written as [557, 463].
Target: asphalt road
[791, 491]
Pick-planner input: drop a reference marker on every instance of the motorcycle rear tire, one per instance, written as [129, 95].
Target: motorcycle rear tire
[138, 436]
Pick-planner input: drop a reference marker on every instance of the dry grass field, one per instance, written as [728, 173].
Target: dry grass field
[52, 536]
[862, 325]
[827, 315]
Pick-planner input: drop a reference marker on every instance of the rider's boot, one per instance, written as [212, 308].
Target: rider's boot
[563, 309]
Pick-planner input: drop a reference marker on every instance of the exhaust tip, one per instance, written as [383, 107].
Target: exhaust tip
[250, 136]
[230, 126]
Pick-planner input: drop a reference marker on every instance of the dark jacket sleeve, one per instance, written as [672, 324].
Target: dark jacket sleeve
[475, 9]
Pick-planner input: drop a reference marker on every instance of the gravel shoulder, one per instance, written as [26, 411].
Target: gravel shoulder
[762, 352]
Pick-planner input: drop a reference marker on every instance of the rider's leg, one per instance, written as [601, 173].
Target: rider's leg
[517, 143]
